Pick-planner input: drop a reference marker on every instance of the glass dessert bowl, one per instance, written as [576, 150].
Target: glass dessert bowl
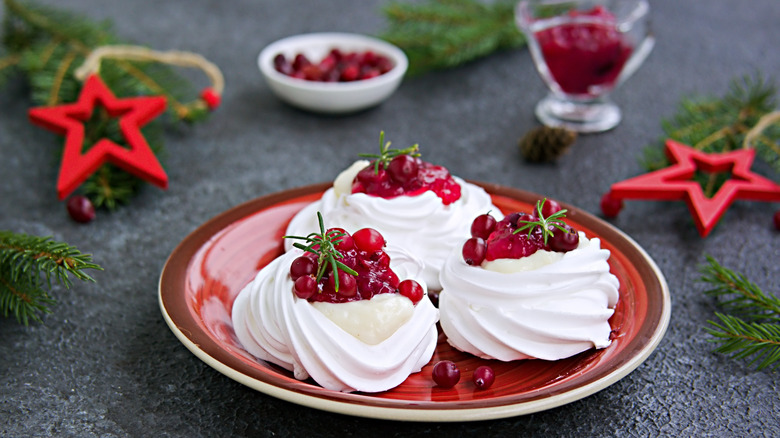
[584, 49]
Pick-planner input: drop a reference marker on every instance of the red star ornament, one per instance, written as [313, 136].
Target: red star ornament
[674, 183]
[69, 119]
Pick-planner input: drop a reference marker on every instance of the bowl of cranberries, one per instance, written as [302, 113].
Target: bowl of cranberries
[333, 73]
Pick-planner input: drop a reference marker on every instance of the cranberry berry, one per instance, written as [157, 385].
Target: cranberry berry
[301, 266]
[483, 377]
[305, 287]
[550, 207]
[369, 240]
[446, 374]
[412, 290]
[610, 206]
[564, 240]
[336, 66]
[474, 251]
[403, 168]
[483, 225]
[80, 209]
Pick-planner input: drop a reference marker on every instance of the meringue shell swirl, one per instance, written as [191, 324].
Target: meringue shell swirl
[552, 312]
[420, 224]
[276, 326]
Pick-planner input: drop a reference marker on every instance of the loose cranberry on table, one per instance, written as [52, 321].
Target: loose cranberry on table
[610, 206]
[336, 66]
[80, 209]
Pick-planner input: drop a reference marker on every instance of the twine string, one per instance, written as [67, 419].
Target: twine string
[91, 64]
[758, 129]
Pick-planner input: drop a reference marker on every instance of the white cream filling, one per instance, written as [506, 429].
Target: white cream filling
[371, 321]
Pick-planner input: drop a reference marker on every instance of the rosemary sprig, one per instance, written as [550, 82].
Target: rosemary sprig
[752, 330]
[323, 245]
[555, 220]
[386, 154]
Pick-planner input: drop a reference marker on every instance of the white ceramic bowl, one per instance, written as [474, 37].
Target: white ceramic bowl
[332, 97]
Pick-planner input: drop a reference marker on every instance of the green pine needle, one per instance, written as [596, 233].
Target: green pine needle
[738, 294]
[757, 342]
[441, 34]
[752, 328]
[29, 265]
[717, 125]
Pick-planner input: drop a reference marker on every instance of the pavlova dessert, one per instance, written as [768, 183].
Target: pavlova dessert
[416, 205]
[527, 286]
[343, 309]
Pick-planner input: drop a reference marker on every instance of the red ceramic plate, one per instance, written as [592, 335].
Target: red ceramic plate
[206, 271]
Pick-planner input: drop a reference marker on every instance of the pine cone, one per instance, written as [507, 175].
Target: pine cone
[545, 143]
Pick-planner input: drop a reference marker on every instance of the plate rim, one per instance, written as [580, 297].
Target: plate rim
[448, 414]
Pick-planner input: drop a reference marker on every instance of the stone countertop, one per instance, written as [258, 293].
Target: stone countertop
[105, 363]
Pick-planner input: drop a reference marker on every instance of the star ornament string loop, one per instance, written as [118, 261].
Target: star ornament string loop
[210, 96]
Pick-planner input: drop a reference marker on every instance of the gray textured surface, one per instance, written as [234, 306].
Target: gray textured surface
[105, 363]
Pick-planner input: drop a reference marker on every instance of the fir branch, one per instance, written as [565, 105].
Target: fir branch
[758, 342]
[721, 124]
[110, 187]
[24, 299]
[752, 330]
[8, 65]
[739, 295]
[31, 264]
[446, 33]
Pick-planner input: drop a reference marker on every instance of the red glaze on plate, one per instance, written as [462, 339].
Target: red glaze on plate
[209, 268]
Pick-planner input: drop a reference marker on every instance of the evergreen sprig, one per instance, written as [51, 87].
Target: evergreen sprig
[554, 220]
[45, 45]
[720, 124]
[751, 330]
[386, 154]
[29, 265]
[441, 34]
[323, 245]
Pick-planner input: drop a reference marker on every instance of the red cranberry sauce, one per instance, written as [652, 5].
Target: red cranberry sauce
[504, 243]
[411, 179]
[374, 277]
[363, 252]
[583, 55]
